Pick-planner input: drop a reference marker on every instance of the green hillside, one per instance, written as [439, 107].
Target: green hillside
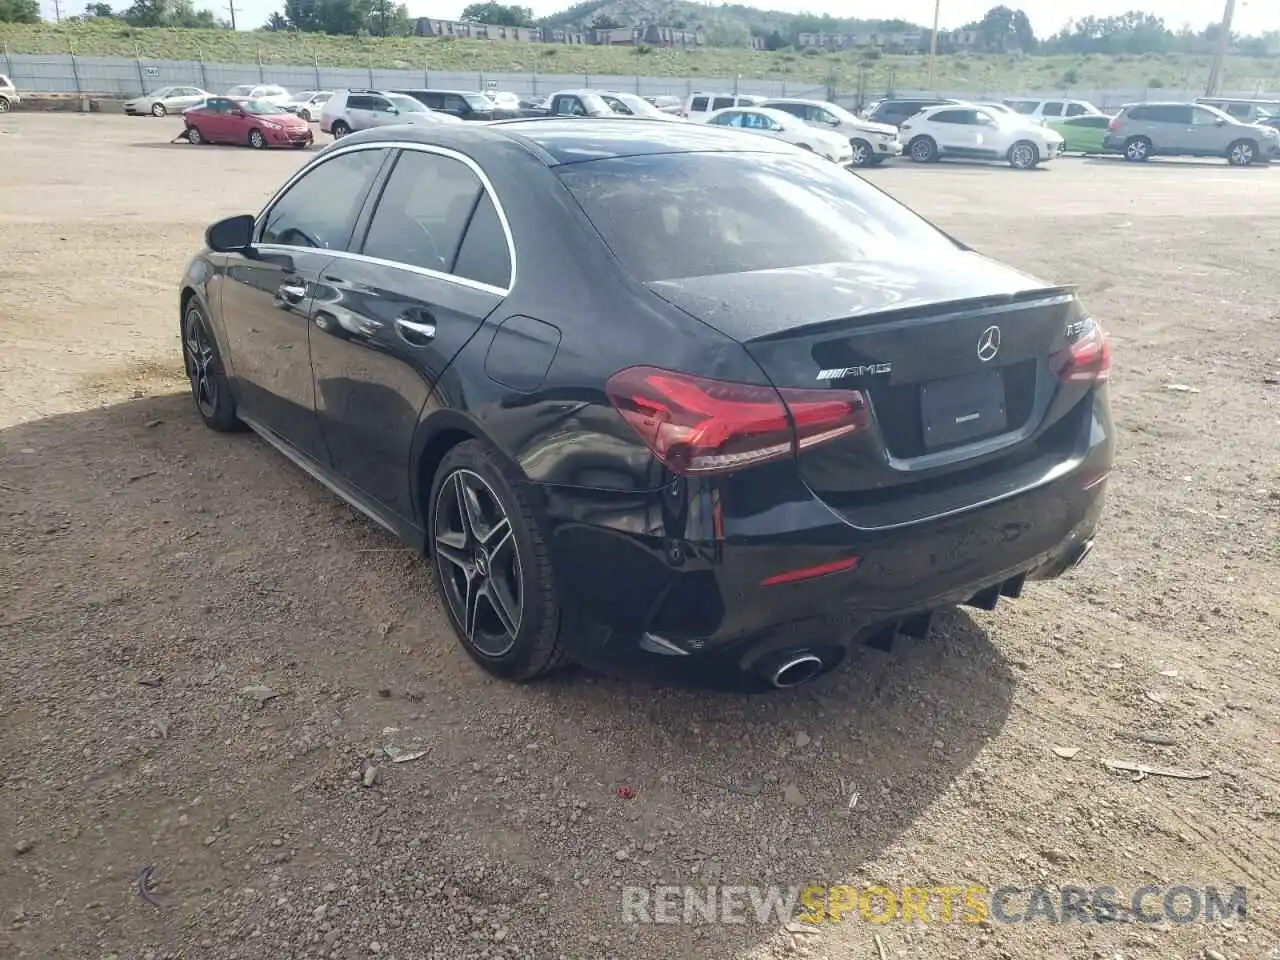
[973, 74]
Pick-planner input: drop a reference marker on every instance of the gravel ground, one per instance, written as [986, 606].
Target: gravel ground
[202, 652]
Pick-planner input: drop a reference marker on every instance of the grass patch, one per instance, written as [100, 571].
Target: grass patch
[971, 73]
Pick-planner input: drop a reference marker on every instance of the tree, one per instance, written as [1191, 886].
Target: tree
[389, 19]
[604, 22]
[166, 13]
[19, 11]
[498, 14]
[1004, 29]
[101, 11]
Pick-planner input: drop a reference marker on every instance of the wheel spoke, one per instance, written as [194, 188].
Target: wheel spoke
[470, 504]
[460, 500]
[495, 594]
[471, 607]
[496, 537]
[452, 546]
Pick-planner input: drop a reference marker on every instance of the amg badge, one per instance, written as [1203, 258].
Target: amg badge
[866, 370]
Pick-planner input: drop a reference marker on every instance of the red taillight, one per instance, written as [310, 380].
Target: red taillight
[1088, 357]
[698, 426]
[1114, 124]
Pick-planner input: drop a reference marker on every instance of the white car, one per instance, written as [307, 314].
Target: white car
[634, 105]
[350, 110]
[783, 126]
[872, 143]
[308, 103]
[967, 131]
[700, 106]
[1041, 110]
[270, 92]
[166, 100]
[8, 94]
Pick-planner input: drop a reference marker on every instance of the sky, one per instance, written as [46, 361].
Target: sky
[1047, 16]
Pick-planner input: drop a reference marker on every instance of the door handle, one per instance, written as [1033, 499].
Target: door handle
[416, 333]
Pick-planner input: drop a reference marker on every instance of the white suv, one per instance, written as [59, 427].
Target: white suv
[270, 92]
[872, 143]
[700, 106]
[350, 110]
[8, 94]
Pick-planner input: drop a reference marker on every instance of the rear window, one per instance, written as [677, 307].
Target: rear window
[668, 216]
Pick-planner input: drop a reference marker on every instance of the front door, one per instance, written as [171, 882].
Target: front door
[267, 297]
[958, 132]
[1209, 134]
[383, 332]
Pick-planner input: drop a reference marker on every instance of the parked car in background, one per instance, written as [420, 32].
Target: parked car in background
[790, 129]
[309, 103]
[667, 104]
[1083, 134]
[1250, 111]
[804, 417]
[578, 103]
[968, 132]
[532, 104]
[698, 107]
[8, 94]
[506, 102]
[1272, 122]
[997, 107]
[634, 105]
[256, 123]
[270, 92]
[895, 110]
[350, 110]
[871, 143]
[463, 104]
[1038, 110]
[166, 100]
[1144, 130]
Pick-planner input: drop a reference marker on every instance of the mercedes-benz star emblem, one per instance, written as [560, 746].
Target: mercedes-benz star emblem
[989, 344]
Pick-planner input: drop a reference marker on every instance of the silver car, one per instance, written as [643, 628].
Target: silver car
[1145, 130]
[166, 100]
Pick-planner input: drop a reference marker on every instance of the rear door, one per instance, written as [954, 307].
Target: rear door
[384, 329]
[360, 111]
[382, 112]
[266, 299]
[1208, 135]
[1168, 126]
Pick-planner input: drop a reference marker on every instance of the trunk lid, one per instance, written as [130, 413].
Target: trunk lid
[954, 358]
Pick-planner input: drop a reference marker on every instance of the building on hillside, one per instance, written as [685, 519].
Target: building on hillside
[651, 34]
[825, 41]
[758, 43]
[565, 36]
[430, 27]
[963, 39]
[898, 41]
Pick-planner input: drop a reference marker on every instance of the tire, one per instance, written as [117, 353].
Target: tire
[210, 388]
[1137, 149]
[158, 110]
[1024, 155]
[923, 150]
[1242, 153]
[863, 154]
[194, 136]
[482, 537]
[305, 115]
[339, 129]
[4, 105]
[257, 140]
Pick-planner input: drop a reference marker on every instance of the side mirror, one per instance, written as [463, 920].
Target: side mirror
[833, 121]
[395, 110]
[232, 235]
[1220, 122]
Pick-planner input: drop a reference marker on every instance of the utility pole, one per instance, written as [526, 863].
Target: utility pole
[231, 9]
[1220, 49]
[933, 45]
[57, 11]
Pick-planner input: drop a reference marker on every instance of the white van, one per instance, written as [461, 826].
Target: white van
[700, 106]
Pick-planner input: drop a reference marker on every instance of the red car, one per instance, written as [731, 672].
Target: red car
[256, 122]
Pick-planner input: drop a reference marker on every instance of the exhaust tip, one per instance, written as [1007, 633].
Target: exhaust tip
[796, 670]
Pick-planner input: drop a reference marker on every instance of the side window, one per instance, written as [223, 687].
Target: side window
[359, 101]
[423, 210]
[949, 116]
[617, 106]
[1052, 108]
[380, 104]
[1139, 113]
[1024, 107]
[320, 209]
[731, 118]
[1175, 114]
[456, 104]
[722, 103]
[698, 105]
[1203, 118]
[484, 255]
[1240, 110]
[1075, 110]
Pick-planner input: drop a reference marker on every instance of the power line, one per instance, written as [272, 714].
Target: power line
[1220, 49]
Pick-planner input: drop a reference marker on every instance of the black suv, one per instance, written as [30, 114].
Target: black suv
[894, 112]
[463, 104]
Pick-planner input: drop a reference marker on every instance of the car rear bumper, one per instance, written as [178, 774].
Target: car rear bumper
[642, 601]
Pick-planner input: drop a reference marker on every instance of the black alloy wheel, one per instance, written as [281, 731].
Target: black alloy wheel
[492, 566]
[209, 386]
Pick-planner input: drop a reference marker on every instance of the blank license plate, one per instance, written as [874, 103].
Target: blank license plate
[961, 409]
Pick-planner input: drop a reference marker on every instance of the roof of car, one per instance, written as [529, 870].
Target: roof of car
[562, 140]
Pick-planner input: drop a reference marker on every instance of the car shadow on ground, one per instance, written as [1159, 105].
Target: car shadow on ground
[1169, 163]
[132, 526]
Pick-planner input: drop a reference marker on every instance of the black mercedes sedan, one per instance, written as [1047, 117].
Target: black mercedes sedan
[656, 395]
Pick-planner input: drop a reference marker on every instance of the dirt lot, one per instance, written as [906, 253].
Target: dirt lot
[151, 570]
